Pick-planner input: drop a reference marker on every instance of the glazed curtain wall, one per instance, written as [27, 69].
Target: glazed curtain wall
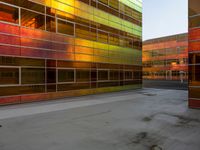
[166, 58]
[51, 47]
[194, 54]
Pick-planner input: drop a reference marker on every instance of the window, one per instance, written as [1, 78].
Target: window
[27, 4]
[65, 75]
[194, 92]
[102, 37]
[114, 4]
[85, 32]
[31, 5]
[65, 27]
[128, 75]
[50, 11]
[194, 7]
[9, 76]
[9, 14]
[32, 19]
[33, 75]
[85, 1]
[137, 75]
[82, 75]
[51, 75]
[104, 1]
[50, 24]
[114, 75]
[114, 39]
[102, 74]
[93, 75]
[194, 22]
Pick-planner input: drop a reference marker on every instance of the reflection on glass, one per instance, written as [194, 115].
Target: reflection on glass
[32, 75]
[9, 14]
[9, 76]
[32, 19]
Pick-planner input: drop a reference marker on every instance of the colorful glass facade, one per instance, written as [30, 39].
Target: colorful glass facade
[58, 48]
[166, 58]
[194, 53]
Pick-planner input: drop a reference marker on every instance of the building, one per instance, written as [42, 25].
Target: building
[194, 53]
[166, 58]
[53, 49]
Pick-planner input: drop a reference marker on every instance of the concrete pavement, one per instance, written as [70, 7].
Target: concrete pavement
[130, 120]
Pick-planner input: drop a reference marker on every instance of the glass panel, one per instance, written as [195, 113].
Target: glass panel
[26, 4]
[31, 62]
[50, 11]
[15, 61]
[194, 22]
[194, 8]
[82, 75]
[32, 19]
[51, 63]
[9, 14]
[50, 24]
[31, 5]
[93, 75]
[128, 75]
[16, 90]
[114, 75]
[33, 75]
[65, 75]
[108, 84]
[65, 27]
[102, 74]
[114, 4]
[9, 76]
[137, 74]
[104, 1]
[77, 86]
[51, 88]
[86, 32]
[194, 77]
[32, 89]
[194, 93]
[51, 75]
[102, 37]
[10, 90]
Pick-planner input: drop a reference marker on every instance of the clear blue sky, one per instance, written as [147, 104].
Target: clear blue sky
[164, 17]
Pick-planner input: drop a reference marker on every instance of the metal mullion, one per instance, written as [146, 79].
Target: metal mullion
[45, 75]
[20, 75]
[45, 19]
[56, 75]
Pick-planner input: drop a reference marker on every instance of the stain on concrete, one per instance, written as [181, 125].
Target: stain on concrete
[155, 147]
[146, 140]
[147, 119]
[147, 94]
[174, 119]
[139, 137]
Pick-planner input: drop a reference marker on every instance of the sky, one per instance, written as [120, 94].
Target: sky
[164, 17]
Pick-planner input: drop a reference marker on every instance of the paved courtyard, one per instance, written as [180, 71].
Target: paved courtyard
[147, 119]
